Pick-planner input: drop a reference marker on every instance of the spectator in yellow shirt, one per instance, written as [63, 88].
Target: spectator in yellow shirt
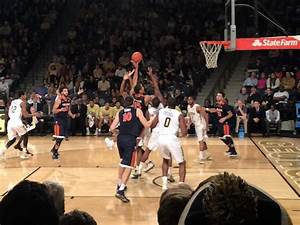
[93, 117]
[116, 109]
[106, 115]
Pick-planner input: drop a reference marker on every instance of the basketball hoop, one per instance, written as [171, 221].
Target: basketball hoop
[211, 50]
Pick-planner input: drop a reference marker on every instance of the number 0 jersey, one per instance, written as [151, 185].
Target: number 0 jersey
[129, 122]
[168, 121]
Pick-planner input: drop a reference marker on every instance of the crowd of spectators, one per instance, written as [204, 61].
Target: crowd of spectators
[24, 27]
[94, 56]
[39, 203]
[269, 92]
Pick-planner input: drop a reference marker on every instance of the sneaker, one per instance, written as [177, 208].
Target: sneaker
[55, 154]
[24, 155]
[228, 152]
[96, 132]
[150, 166]
[136, 175]
[232, 153]
[67, 138]
[171, 179]
[206, 158]
[121, 195]
[118, 186]
[88, 132]
[164, 187]
[28, 152]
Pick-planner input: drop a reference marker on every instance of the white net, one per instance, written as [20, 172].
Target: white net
[211, 52]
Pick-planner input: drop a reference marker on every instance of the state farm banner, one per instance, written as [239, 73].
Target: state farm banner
[268, 43]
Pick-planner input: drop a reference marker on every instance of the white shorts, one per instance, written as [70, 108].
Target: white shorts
[15, 129]
[153, 141]
[201, 133]
[169, 145]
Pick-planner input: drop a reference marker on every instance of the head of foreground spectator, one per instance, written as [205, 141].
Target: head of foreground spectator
[28, 203]
[58, 194]
[172, 203]
[227, 199]
[77, 217]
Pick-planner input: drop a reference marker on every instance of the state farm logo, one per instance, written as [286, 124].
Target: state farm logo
[257, 43]
[274, 42]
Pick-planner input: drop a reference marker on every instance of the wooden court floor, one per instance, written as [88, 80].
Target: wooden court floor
[88, 171]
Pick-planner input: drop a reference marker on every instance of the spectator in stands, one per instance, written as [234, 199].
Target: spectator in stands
[28, 203]
[93, 117]
[241, 115]
[172, 203]
[228, 199]
[261, 83]
[97, 72]
[78, 124]
[243, 95]
[256, 121]
[251, 81]
[273, 119]
[117, 108]
[106, 113]
[4, 88]
[268, 98]
[253, 96]
[36, 103]
[77, 217]
[273, 82]
[103, 87]
[288, 82]
[281, 96]
[57, 192]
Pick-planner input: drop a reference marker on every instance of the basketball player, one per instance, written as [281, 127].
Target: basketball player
[199, 118]
[223, 127]
[169, 122]
[61, 110]
[15, 126]
[131, 122]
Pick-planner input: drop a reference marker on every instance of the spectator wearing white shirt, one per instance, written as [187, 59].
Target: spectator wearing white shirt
[273, 119]
[281, 96]
[251, 81]
[272, 82]
[4, 88]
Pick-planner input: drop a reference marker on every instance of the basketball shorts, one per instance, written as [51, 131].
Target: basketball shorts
[128, 155]
[223, 129]
[60, 127]
[153, 141]
[201, 133]
[15, 128]
[169, 145]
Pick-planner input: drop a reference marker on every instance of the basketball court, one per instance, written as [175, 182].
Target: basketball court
[88, 172]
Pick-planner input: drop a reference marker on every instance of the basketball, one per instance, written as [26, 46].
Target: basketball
[137, 57]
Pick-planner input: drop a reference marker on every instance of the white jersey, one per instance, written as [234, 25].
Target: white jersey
[197, 119]
[154, 112]
[15, 110]
[168, 121]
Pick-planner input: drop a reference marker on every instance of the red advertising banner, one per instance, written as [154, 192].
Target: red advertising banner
[268, 43]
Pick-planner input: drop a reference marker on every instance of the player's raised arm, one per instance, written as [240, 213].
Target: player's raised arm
[126, 77]
[143, 120]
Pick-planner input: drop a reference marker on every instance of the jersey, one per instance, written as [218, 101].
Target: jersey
[129, 122]
[139, 103]
[15, 110]
[64, 103]
[196, 118]
[168, 121]
[154, 112]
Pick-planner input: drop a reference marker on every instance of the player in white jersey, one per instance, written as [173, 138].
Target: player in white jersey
[169, 122]
[150, 138]
[15, 126]
[198, 116]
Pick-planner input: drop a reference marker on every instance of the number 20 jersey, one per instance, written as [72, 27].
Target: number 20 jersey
[168, 121]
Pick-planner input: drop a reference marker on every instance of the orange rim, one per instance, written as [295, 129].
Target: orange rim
[224, 43]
